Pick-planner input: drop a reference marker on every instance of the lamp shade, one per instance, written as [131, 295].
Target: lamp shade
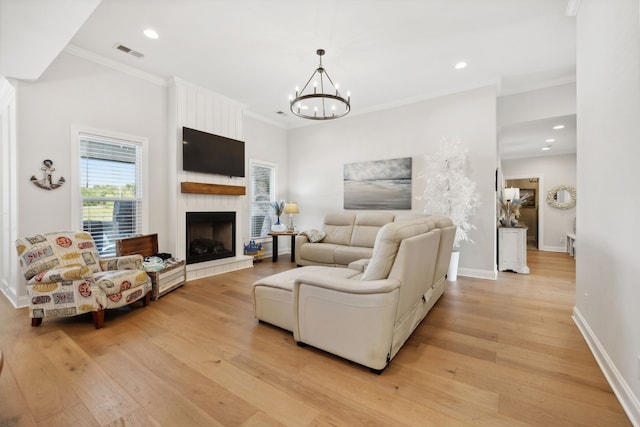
[291, 208]
[511, 193]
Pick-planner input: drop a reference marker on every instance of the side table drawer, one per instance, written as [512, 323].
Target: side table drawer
[167, 279]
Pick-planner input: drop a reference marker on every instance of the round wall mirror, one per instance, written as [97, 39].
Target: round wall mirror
[562, 197]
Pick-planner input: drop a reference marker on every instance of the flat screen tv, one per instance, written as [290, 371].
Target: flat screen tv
[208, 153]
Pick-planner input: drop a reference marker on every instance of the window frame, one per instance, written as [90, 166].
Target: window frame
[273, 190]
[75, 182]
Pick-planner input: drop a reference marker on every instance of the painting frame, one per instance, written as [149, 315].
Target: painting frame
[529, 202]
[378, 184]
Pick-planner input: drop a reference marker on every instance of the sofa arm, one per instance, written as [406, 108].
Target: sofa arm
[301, 239]
[124, 262]
[351, 286]
[353, 319]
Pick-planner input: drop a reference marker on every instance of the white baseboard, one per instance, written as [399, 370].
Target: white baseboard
[218, 266]
[23, 301]
[554, 248]
[9, 293]
[623, 392]
[478, 274]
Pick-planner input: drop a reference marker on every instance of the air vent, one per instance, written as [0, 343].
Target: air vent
[128, 50]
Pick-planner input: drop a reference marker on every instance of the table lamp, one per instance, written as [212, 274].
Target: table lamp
[511, 193]
[291, 208]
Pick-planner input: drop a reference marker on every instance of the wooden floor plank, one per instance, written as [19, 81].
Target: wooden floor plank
[76, 415]
[14, 409]
[44, 386]
[490, 353]
[161, 400]
[86, 377]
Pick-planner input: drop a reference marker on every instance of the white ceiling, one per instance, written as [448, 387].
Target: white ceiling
[384, 52]
[526, 139]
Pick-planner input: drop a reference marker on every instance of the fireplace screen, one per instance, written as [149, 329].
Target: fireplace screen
[210, 236]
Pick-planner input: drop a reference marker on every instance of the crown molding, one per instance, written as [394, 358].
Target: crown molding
[261, 118]
[572, 7]
[127, 69]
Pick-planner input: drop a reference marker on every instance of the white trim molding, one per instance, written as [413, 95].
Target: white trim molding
[132, 71]
[572, 7]
[11, 282]
[478, 274]
[623, 392]
[74, 181]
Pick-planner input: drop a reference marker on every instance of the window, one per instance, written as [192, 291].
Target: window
[111, 190]
[263, 179]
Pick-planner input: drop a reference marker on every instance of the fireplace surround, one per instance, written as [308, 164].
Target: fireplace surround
[210, 236]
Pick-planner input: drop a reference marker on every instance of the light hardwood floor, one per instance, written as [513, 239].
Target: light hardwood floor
[492, 353]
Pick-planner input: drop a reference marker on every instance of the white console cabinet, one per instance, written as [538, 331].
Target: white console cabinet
[512, 249]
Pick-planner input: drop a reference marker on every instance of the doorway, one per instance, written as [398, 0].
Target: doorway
[529, 211]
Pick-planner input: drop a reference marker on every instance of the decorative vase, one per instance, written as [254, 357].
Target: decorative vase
[278, 227]
[452, 273]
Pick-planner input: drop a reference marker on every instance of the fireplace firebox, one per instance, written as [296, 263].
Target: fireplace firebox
[210, 236]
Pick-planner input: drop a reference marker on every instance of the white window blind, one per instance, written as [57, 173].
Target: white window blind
[262, 194]
[110, 189]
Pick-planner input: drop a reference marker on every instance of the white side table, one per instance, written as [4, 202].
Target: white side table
[512, 249]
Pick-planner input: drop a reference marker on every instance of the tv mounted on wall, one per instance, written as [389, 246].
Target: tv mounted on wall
[208, 153]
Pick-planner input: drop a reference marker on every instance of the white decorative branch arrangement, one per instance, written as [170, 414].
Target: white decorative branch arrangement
[448, 191]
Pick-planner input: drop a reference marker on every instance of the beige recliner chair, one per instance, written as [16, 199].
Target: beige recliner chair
[366, 312]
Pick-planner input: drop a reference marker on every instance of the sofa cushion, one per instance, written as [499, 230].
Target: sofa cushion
[314, 236]
[366, 228]
[387, 243]
[117, 281]
[318, 252]
[407, 217]
[345, 255]
[285, 279]
[338, 227]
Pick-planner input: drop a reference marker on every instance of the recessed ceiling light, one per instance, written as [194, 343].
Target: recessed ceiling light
[550, 140]
[548, 147]
[151, 33]
[460, 65]
[556, 127]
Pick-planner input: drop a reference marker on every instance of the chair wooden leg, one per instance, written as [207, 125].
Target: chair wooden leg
[147, 299]
[98, 319]
[36, 321]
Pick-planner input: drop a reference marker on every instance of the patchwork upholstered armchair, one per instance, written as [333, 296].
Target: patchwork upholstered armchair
[66, 277]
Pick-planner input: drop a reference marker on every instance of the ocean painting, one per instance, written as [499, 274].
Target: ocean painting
[379, 184]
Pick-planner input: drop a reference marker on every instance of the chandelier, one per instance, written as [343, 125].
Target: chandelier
[320, 100]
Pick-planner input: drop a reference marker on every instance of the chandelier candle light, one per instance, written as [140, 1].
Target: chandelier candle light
[314, 103]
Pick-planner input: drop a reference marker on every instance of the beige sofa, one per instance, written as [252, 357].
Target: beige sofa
[349, 237]
[364, 312]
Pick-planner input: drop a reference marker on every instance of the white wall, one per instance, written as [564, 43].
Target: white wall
[553, 171]
[317, 154]
[268, 143]
[608, 261]
[76, 91]
[537, 104]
